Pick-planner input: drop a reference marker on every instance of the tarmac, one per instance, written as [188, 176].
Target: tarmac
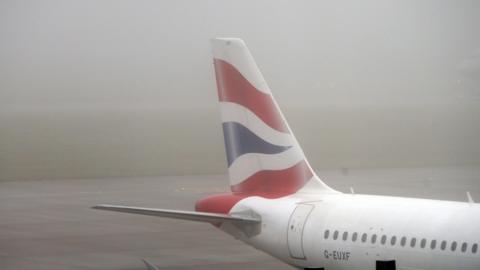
[49, 224]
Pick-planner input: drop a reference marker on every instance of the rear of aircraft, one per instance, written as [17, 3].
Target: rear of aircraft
[263, 156]
[274, 190]
[267, 169]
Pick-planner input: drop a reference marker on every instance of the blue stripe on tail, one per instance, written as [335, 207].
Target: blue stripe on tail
[239, 140]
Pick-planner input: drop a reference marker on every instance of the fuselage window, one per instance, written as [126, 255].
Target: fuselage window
[403, 241]
[464, 247]
[354, 236]
[384, 239]
[433, 244]
[443, 246]
[423, 243]
[335, 235]
[374, 238]
[326, 234]
[474, 248]
[454, 246]
[413, 242]
[393, 240]
[364, 237]
[345, 236]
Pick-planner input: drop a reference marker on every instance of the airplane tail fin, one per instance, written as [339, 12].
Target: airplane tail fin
[263, 155]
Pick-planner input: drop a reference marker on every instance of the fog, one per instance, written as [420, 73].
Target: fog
[93, 89]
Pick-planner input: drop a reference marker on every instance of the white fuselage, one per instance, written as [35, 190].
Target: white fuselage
[294, 229]
[295, 217]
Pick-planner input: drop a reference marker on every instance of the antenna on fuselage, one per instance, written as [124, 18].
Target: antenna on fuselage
[149, 265]
[351, 190]
[469, 196]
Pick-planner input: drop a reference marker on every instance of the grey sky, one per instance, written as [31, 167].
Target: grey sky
[114, 88]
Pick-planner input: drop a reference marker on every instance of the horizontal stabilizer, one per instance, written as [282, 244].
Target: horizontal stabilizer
[179, 214]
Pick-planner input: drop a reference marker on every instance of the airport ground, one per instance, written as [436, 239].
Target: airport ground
[49, 224]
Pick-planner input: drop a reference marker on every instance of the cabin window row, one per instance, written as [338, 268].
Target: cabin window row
[403, 241]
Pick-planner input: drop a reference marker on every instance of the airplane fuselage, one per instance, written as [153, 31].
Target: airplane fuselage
[350, 231]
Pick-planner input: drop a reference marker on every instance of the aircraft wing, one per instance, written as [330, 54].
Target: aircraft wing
[179, 214]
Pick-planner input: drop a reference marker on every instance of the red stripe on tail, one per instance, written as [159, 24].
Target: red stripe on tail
[233, 87]
[275, 183]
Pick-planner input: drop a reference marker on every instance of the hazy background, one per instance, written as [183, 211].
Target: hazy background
[126, 88]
